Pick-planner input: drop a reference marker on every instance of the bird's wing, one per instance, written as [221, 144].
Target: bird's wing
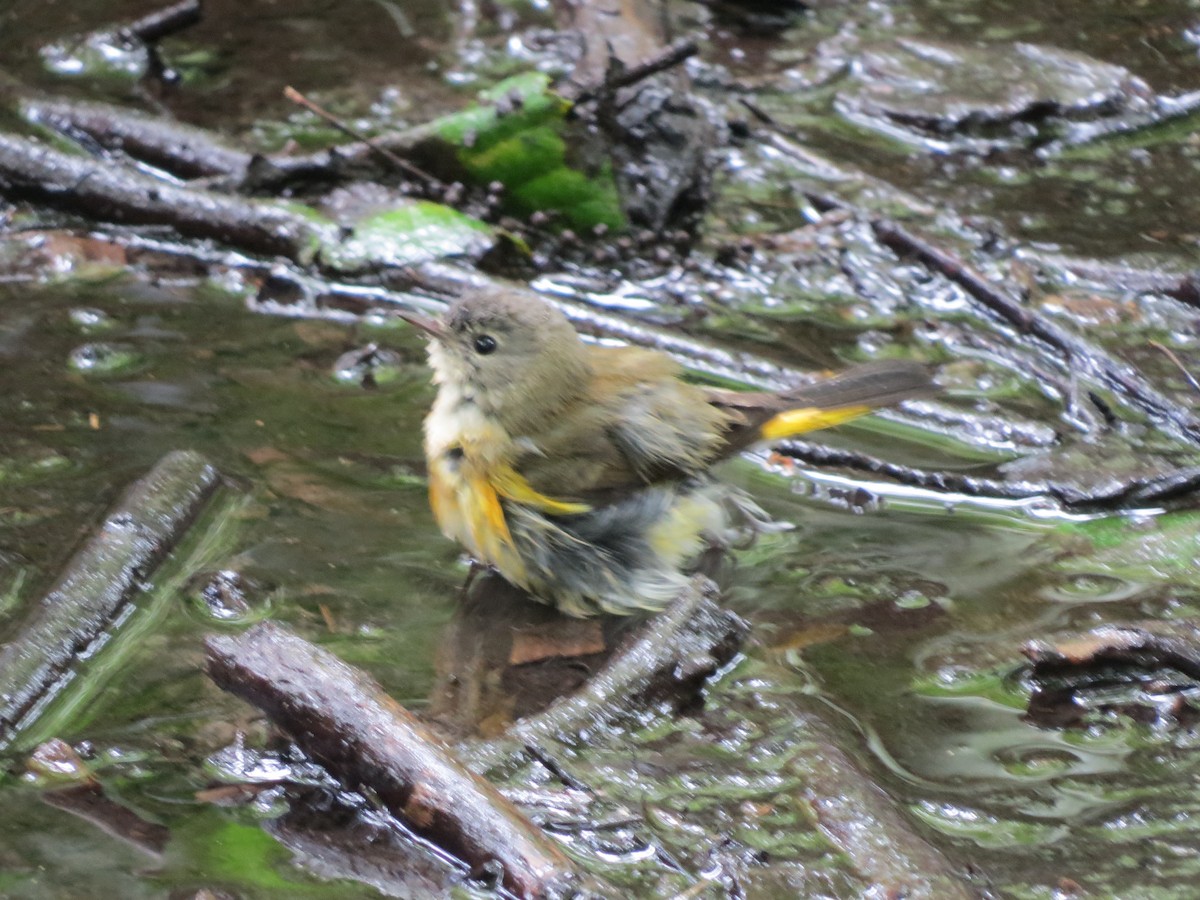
[667, 428]
[638, 424]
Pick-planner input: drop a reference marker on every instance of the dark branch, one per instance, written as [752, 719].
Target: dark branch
[1119, 377]
[367, 740]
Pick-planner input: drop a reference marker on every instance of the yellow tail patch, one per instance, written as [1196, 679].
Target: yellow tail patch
[797, 421]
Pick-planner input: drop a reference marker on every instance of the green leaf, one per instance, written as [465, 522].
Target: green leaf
[524, 147]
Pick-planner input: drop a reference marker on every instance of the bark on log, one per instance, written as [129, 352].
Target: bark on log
[108, 192]
[344, 720]
[100, 579]
[684, 644]
[180, 149]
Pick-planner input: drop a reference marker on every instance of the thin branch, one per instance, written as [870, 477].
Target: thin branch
[298, 98]
[1122, 378]
[667, 58]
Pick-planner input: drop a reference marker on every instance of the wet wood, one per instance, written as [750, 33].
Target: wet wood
[1148, 671]
[180, 149]
[1132, 493]
[105, 191]
[345, 721]
[859, 818]
[104, 576]
[670, 656]
[334, 840]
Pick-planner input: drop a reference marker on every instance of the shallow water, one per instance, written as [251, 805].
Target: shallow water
[903, 614]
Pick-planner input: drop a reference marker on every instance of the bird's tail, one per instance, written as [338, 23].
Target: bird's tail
[848, 395]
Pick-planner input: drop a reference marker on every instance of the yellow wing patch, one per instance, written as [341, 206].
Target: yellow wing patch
[511, 485]
[797, 421]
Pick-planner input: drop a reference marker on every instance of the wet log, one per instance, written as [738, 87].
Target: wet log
[111, 193]
[333, 839]
[182, 150]
[344, 720]
[672, 654]
[105, 575]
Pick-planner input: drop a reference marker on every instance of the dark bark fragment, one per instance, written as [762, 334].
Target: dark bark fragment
[1148, 671]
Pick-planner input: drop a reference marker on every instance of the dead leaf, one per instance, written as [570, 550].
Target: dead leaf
[576, 637]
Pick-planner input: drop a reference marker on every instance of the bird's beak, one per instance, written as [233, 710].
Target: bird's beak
[432, 327]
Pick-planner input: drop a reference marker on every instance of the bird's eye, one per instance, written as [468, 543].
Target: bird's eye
[485, 344]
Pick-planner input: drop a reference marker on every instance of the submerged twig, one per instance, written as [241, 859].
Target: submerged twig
[1123, 379]
[345, 721]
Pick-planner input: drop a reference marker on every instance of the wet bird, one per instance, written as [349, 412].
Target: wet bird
[581, 472]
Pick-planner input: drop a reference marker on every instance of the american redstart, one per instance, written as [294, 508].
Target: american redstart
[582, 472]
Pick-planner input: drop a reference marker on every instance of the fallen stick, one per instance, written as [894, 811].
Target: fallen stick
[345, 721]
[105, 575]
[109, 192]
[683, 645]
[859, 818]
[172, 146]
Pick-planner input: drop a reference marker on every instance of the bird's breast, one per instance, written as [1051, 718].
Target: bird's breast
[463, 449]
